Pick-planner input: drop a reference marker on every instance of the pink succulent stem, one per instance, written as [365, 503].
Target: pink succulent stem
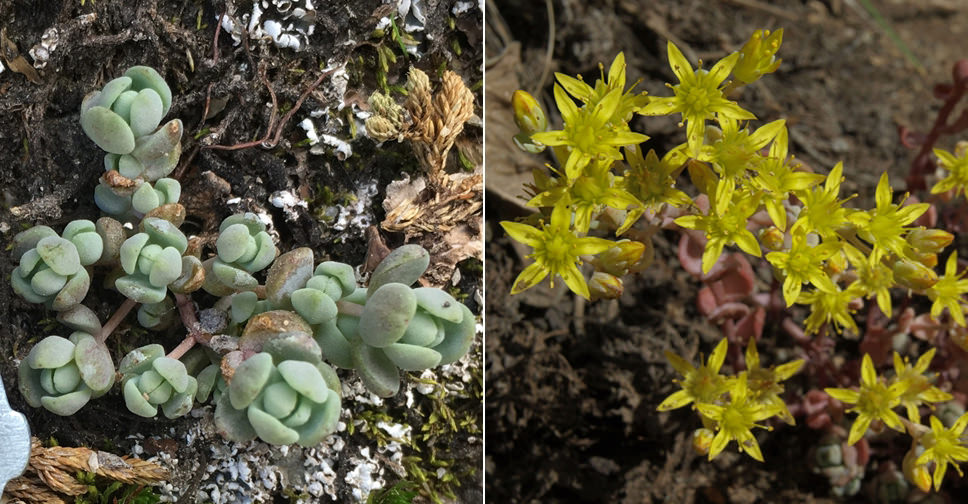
[115, 320]
[186, 309]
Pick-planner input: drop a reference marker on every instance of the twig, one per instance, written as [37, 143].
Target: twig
[265, 142]
[218, 30]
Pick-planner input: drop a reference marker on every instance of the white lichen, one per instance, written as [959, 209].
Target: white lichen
[288, 202]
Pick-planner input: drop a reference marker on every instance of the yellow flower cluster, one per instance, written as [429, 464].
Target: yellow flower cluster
[730, 406]
[875, 401]
[826, 255]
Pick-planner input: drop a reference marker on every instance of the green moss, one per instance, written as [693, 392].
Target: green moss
[402, 492]
[106, 491]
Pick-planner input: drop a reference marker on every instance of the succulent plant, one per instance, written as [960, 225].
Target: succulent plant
[150, 379]
[243, 248]
[51, 267]
[152, 259]
[136, 200]
[398, 328]
[285, 402]
[63, 374]
[123, 118]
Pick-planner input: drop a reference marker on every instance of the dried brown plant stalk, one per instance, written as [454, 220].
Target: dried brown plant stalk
[51, 472]
[436, 121]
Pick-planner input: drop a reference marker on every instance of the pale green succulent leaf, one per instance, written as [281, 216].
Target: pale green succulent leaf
[387, 314]
[404, 265]
[249, 379]
[304, 378]
[108, 130]
[59, 254]
[412, 357]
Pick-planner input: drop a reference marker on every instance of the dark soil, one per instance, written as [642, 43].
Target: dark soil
[49, 168]
[572, 387]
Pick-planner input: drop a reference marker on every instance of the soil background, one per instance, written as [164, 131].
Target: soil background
[572, 387]
[49, 168]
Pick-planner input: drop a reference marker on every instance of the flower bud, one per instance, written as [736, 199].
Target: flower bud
[528, 114]
[623, 258]
[913, 275]
[920, 476]
[836, 264]
[929, 260]
[929, 241]
[605, 286]
[772, 238]
[757, 57]
[702, 439]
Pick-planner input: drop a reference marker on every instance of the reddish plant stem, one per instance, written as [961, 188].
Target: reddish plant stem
[922, 162]
[182, 347]
[115, 320]
[269, 141]
[186, 309]
[218, 30]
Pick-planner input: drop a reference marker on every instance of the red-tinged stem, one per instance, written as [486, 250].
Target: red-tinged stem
[347, 308]
[115, 320]
[186, 309]
[183, 347]
[922, 162]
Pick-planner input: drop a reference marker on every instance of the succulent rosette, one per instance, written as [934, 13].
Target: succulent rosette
[151, 259]
[398, 328]
[123, 119]
[284, 402]
[151, 380]
[244, 247]
[63, 374]
[52, 268]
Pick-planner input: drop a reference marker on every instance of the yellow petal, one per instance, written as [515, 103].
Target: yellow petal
[575, 87]
[528, 235]
[791, 290]
[529, 277]
[676, 400]
[721, 69]
[959, 425]
[867, 374]
[752, 356]
[785, 371]
[747, 242]
[714, 248]
[751, 447]
[616, 72]
[883, 194]
[590, 245]
[858, 429]
[718, 356]
[659, 106]
[924, 361]
[767, 132]
[939, 470]
[567, 107]
[695, 130]
[575, 281]
[719, 442]
[892, 420]
[680, 66]
[679, 364]
[843, 395]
